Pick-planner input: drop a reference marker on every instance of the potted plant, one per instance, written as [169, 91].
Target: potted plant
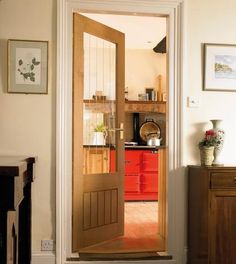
[206, 146]
[99, 137]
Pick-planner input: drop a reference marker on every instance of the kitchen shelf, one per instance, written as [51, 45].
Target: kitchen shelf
[145, 106]
[108, 106]
[103, 106]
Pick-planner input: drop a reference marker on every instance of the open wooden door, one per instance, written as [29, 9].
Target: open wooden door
[98, 146]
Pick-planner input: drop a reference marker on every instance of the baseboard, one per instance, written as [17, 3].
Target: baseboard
[43, 258]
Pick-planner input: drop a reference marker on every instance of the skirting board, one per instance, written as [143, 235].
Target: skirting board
[49, 258]
[43, 258]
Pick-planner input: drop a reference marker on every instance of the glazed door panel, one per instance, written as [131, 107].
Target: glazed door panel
[98, 145]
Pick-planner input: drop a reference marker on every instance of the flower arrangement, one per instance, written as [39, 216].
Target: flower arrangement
[212, 138]
[208, 140]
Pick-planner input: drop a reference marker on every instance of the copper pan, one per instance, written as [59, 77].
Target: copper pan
[147, 128]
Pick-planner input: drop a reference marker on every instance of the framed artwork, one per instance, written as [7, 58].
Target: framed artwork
[219, 67]
[27, 66]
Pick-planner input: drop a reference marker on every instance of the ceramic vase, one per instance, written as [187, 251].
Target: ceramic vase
[206, 155]
[99, 139]
[220, 135]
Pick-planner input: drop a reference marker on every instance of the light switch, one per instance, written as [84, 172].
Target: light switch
[193, 102]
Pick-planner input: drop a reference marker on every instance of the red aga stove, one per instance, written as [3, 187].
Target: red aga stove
[141, 175]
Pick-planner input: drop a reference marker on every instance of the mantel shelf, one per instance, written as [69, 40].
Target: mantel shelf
[107, 106]
[145, 106]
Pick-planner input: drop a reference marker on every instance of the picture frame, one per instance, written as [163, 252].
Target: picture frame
[219, 67]
[27, 66]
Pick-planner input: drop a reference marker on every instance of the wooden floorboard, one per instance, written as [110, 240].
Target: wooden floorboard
[141, 234]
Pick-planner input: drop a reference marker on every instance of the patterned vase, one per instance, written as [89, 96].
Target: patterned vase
[220, 135]
[206, 155]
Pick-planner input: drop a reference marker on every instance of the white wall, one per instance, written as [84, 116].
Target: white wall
[207, 22]
[27, 122]
[142, 68]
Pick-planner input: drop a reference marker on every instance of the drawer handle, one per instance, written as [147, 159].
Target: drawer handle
[234, 179]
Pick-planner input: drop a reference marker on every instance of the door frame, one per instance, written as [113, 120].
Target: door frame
[173, 9]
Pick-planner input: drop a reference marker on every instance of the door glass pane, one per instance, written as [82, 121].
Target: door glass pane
[99, 105]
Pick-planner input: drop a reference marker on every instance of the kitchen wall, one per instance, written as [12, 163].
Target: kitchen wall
[142, 67]
[27, 122]
[207, 22]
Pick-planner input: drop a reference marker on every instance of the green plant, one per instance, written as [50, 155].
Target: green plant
[100, 128]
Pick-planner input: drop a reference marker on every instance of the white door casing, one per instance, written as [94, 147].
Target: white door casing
[173, 9]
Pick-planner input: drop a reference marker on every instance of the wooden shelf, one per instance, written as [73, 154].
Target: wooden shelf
[103, 106]
[145, 106]
[108, 106]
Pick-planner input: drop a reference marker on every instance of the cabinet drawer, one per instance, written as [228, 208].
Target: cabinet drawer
[223, 180]
[132, 183]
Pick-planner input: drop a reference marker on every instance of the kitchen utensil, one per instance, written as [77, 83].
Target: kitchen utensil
[148, 127]
[153, 140]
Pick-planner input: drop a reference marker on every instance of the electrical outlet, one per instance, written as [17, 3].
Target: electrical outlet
[47, 245]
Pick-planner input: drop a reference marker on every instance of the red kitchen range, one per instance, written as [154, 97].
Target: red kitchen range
[141, 174]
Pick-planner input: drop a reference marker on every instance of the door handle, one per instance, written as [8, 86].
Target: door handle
[118, 129]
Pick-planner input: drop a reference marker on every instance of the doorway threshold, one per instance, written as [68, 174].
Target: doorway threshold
[122, 256]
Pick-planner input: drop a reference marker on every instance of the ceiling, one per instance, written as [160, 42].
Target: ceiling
[140, 32]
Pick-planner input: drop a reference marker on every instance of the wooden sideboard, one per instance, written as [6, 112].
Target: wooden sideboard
[211, 215]
[16, 176]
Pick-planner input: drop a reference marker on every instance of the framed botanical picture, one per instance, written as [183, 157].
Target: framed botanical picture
[27, 66]
[219, 67]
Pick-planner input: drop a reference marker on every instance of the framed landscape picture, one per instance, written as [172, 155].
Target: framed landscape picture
[27, 66]
[219, 67]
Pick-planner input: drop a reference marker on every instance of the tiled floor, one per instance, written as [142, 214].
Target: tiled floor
[141, 219]
[141, 231]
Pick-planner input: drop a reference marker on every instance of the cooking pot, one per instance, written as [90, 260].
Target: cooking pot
[153, 140]
[147, 128]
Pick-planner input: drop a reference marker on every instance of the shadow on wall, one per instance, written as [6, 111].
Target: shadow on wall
[194, 138]
[3, 65]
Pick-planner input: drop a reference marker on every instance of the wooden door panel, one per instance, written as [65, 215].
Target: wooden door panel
[223, 231]
[98, 191]
[100, 208]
